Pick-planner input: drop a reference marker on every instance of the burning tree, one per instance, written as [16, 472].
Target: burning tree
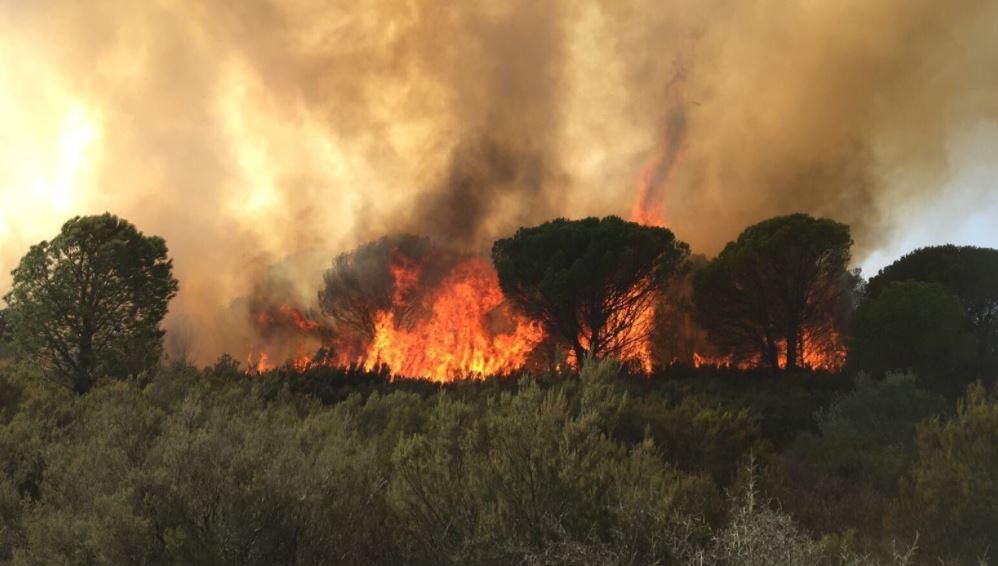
[423, 310]
[364, 282]
[592, 283]
[778, 292]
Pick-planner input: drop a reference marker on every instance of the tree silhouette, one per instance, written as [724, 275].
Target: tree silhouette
[912, 325]
[89, 302]
[780, 278]
[360, 283]
[589, 281]
[969, 272]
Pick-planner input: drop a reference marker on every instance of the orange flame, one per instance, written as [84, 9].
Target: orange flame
[258, 362]
[284, 330]
[462, 327]
[639, 341]
[649, 204]
[634, 342]
[459, 325]
[288, 315]
[649, 209]
[457, 337]
[821, 349]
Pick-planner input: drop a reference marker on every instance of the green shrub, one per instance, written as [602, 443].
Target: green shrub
[951, 496]
[847, 472]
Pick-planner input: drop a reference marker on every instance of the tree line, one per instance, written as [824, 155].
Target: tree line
[90, 302]
[892, 460]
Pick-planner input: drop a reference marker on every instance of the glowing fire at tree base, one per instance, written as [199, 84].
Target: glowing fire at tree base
[458, 337]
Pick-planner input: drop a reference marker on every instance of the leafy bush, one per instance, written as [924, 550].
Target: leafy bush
[951, 496]
[323, 466]
[848, 471]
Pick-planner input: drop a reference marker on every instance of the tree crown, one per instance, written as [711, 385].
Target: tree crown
[781, 278]
[90, 301]
[588, 279]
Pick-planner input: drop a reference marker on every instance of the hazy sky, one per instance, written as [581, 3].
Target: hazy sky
[260, 138]
[964, 212]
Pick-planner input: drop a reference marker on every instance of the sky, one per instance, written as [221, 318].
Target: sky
[964, 212]
[262, 138]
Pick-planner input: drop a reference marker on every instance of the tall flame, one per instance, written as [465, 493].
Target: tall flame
[460, 327]
[649, 203]
[458, 335]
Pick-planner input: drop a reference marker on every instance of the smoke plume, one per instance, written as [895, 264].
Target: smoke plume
[262, 138]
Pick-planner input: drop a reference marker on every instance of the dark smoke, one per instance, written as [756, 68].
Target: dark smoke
[254, 133]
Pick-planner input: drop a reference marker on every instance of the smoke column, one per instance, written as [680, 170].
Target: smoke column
[262, 138]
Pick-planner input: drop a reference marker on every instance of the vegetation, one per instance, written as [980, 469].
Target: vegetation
[780, 278]
[918, 327]
[89, 302]
[332, 465]
[171, 464]
[970, 273]
[589, 281]
[950, 496]
[360, 283]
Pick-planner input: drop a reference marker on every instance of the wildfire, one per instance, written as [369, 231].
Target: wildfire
[290, 315]
[259, 362]
[649, 204]
[288, 331]
[632, 337]
[639, 348]
[444, 317]
[467, 329]
[821, 349]
[649, 209]
[459, 326]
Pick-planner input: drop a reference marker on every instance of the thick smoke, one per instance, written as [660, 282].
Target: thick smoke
[262, 137]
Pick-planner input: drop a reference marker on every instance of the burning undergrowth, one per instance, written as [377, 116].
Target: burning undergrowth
[405, 303]
[284, 330]
[416, 309]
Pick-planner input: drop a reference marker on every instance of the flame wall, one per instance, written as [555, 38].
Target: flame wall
[261, 138]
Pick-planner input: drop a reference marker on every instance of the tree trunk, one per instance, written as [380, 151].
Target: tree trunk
[580, 353]
[793, 333]
[86, 362]
[772, 353]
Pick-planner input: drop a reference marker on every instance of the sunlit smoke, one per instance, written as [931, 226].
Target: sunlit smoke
[263, 138]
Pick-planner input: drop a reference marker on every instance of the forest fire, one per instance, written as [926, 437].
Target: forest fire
[294, 332]
[426, 312]
[442, 328]
[464, 328]
[649, 203]
[821, 350]
[648, 209]
[420, 310]
[632, 340]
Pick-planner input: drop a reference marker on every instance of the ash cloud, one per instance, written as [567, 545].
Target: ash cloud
[256, 133]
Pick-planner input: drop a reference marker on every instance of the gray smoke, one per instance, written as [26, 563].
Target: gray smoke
[253, 134]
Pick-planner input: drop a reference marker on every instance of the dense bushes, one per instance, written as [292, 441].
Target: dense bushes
[847, 471]
[234, 473]
[217, 467]
[951, 496]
